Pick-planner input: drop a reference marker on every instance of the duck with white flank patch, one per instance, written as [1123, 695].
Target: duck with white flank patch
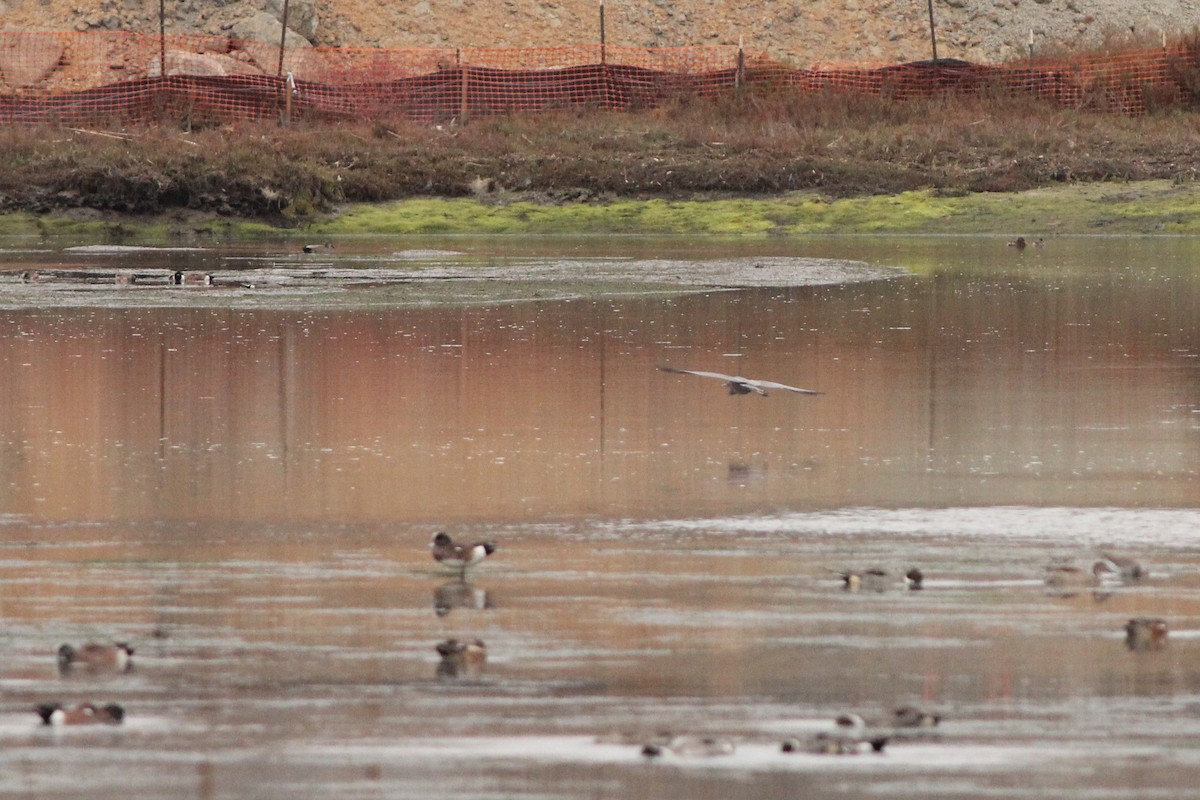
[459, 556]
[82, 714]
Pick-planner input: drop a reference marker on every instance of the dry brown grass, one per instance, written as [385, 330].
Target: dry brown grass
[758, 141]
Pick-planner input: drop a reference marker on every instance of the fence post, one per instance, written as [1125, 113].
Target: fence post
[162, 39]
[1031, 44]
[462, 95]
[603, 44]
[289, 88]
[286, 118]
[932, 33]
[283, 39]
[739, 77]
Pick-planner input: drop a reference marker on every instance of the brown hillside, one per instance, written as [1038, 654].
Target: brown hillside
[800, 31]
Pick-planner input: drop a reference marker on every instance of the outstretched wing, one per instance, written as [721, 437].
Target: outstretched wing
[716, 375]
[760, 387]
[781, 386]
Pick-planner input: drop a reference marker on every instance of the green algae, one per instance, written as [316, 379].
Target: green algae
[1149, 207]
[621, 216]
[1127, 208]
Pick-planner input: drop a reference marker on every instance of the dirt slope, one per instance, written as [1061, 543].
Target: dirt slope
[800, 31]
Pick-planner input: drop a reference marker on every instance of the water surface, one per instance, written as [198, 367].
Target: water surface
[244, 484]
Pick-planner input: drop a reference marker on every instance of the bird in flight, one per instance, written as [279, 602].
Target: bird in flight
[739, 385]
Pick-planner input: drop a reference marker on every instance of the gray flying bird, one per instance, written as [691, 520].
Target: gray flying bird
[738, 385]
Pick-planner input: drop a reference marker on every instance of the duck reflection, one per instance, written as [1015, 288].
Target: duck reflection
[460, 594]
[95, 657]
[691, 746]
[461, 659]
[740, 473]
[1146, 633]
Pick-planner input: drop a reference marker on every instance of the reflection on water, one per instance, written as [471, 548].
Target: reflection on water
[246, 495]
[459, 594]
[949, 389]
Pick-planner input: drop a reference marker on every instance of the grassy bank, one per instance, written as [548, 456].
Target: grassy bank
[760, 162]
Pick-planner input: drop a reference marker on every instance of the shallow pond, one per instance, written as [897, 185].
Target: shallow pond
[242, 479]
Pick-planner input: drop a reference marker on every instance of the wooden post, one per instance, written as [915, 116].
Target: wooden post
[283, 38]
[462, 96]
[739, 77]
[286, 117]
[932, 32]
[289, 88]
[162, 38]
[603, 44]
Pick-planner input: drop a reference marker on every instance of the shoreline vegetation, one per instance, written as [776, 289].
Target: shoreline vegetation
[758, 162]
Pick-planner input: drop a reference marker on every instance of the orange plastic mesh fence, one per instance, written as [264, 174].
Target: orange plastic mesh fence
[119, 76]
[1126, 82]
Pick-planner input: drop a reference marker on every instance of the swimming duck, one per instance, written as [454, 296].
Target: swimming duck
[1146, 633]
[461, 659]
[913, 717]
[318, 248]
[82, 714]
[191, 278]
[445, 551]
[914, 579]
[1071, 577]
[835, 743]
[692, 746]
[116, 657]
[871, 580]
[739, 385]
[1128, 568]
